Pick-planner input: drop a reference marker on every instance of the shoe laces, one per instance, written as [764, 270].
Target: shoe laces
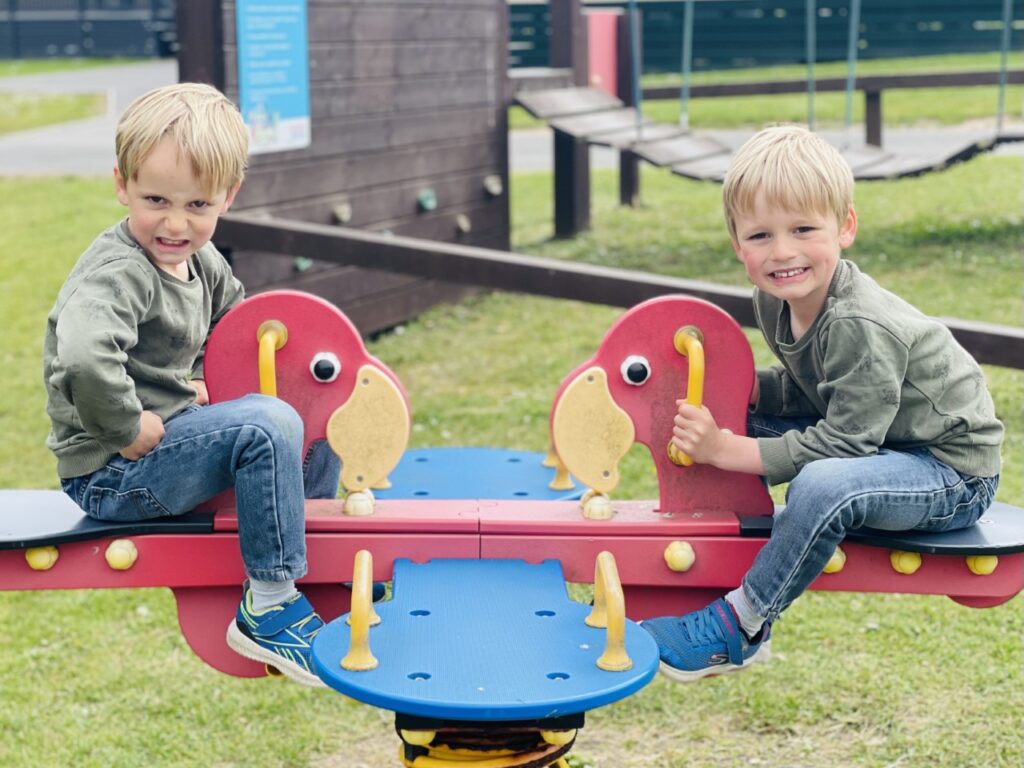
[700, 628]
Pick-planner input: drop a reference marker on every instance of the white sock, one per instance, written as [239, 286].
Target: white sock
[267, 594]
[750, 620]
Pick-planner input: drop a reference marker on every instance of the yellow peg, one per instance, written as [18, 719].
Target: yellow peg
[679, 556]
[272, 335]
[563, 480]
[689, 342]
[905, 562]
[359, 657]
[122, 554]
[610, 611]
[41, 558]
[982, 565]
[836, 562]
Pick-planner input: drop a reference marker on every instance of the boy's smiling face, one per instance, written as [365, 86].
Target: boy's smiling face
[170, 213]
[792, 255]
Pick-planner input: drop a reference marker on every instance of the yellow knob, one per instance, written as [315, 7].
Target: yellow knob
[122, 554]
[679, 556]
[558, 738]
[982, 565]
[596, 506]
[905, 562]
[358, 503]
[41, 558]
[838, 560]
[418, 738]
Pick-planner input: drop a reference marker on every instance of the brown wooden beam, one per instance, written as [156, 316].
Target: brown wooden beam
[467, 265]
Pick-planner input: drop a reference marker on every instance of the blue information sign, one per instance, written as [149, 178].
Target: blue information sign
[273, 73]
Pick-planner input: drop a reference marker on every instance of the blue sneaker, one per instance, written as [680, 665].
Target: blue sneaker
[705, 642]
[280, 637]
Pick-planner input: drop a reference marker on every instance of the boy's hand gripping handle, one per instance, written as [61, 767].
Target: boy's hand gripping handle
[689, 342]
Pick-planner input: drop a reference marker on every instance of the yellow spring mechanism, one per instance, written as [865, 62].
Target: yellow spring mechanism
[689, 342]
[359, 657]
[272, 335]
[610, 611]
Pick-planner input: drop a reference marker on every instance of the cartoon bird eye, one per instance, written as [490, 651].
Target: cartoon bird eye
[325, 367]
[635, 370]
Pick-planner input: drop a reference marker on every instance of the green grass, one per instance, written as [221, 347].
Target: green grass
[17, 67]
[90, 678]
[24, 111]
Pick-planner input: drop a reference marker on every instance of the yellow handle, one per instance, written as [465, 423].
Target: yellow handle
[689, 342]
[359, 657]
[610, 611]
[272, 335]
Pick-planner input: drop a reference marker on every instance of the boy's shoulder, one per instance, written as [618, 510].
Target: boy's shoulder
[112, 250]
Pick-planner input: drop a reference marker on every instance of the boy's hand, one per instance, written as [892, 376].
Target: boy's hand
[151, 432]
[202, 394]
[696, 434]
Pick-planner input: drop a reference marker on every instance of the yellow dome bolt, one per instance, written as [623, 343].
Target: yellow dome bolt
[610, 611]
[359, 503]
[271, 335]
[596, 505]
[121, 554]
[905, 562]
[982, 565]
[41, 558]
[418, 738]
[558, 738]
[689, 342]
[838, 560]
[679, 556]
[362, 617]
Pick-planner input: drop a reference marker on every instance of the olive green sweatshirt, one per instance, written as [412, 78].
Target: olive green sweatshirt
[123, 337]
[876, 372]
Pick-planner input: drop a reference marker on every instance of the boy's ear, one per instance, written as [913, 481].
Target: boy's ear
[119, 187]
[848, 229]
[231, 196]
[736, 248]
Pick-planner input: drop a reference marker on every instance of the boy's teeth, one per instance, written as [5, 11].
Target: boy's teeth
[789, 272]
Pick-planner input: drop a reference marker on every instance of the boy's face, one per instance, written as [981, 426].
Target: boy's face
[169, 213]
[792, 255]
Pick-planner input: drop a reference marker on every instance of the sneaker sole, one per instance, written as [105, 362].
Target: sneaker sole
[250, 649]
[764, 654]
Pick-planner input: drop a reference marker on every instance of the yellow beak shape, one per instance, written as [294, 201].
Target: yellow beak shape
[370, 431]
[591, 433]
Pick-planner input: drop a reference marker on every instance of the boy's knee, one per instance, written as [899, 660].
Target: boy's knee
[275, 417]
[820, 479]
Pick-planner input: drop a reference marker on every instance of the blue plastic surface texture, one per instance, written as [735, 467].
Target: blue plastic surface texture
[483, 640]
[473, 473]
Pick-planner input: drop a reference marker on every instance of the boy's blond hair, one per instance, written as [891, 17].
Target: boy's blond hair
[794, 168]
[204, 125]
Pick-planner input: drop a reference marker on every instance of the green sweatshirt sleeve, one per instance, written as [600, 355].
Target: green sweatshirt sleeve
[864, 367]
[97, 327]
[226, 291]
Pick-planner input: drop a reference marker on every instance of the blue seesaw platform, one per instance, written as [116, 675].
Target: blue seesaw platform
[473, 473]
[483, 640]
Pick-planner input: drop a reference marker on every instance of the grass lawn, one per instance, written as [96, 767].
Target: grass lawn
[91, 678]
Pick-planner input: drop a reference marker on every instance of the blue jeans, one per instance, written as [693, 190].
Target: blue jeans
[253, 444]
[890, 491]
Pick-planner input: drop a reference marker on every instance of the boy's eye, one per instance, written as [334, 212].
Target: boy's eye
[200, 204]
[804, 230]
[154, 199]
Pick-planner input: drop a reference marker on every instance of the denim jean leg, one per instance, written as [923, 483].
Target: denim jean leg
[891, 490]
[254, 443]
[321, 471]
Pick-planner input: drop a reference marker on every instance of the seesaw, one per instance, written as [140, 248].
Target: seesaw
[457, 558]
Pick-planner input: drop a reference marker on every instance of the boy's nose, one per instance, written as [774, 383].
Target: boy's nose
[175, 222]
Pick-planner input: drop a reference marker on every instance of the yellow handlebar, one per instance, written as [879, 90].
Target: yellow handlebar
[689, 342]
[359, 657]
[610, 611]
[272, 335]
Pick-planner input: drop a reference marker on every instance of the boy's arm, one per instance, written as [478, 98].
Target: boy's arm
[226, 291]
[97, 327]
[697, 435]
[864, 367]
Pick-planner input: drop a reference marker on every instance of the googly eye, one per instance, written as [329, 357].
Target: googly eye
[635, 370]
[325, 367]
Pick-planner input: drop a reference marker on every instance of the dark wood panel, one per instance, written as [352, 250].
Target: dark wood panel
[426, 92]
[277, 184]
[374, 205]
